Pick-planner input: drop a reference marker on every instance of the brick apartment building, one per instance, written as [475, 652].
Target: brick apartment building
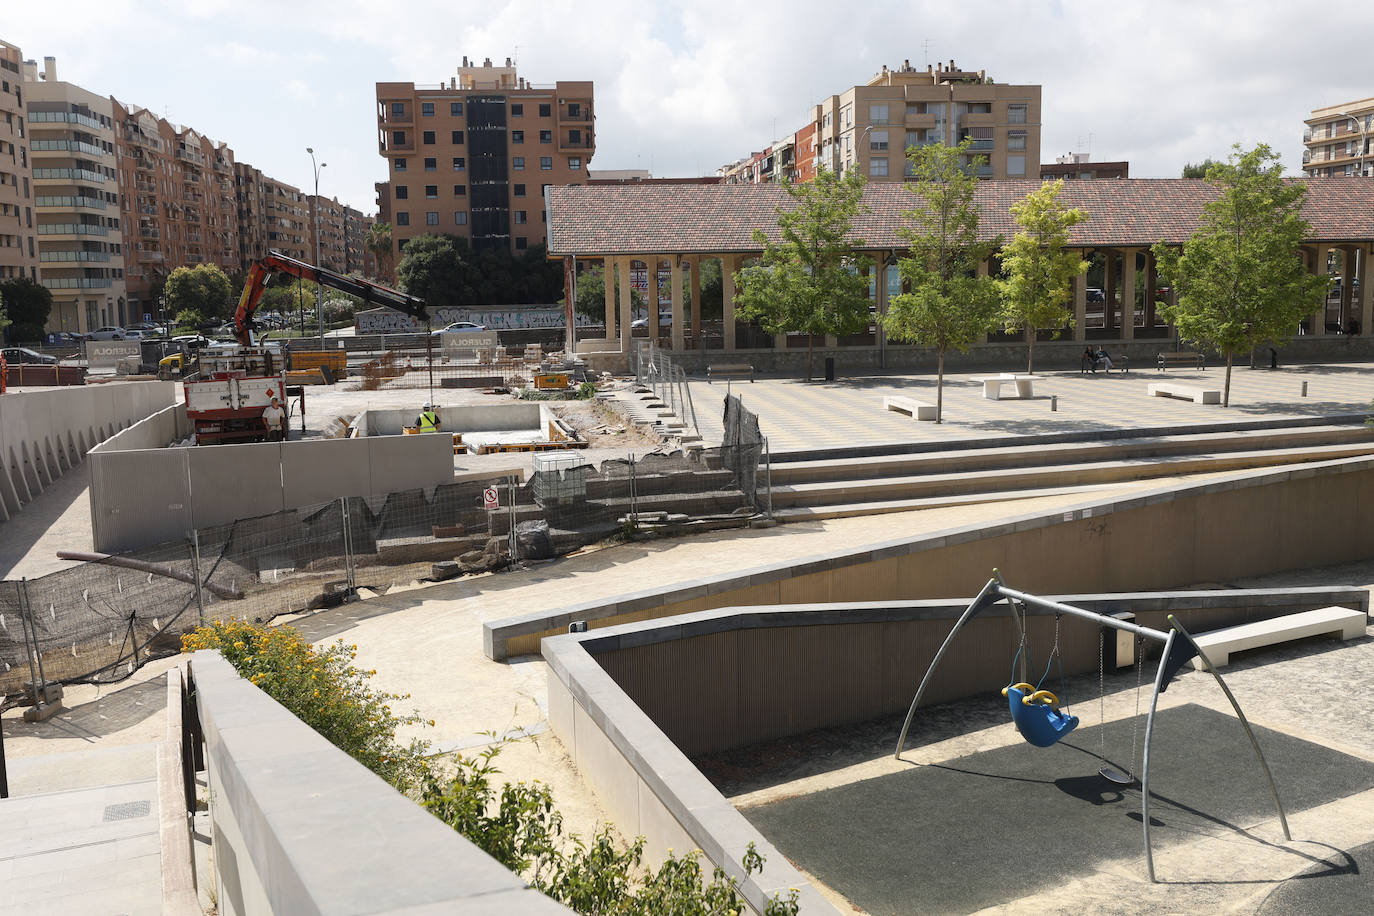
[357, 257]
[272, 215]
[870, 127]
[472, 157]
[18, 242]
[1337, 140]
[81, 249]
[326, 233]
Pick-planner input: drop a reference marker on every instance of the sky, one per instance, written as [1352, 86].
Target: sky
[682, 89]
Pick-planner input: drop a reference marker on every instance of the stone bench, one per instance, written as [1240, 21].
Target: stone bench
[1183, 360]
[1184, 392]
[729, 370]
[919, 410]
[1340, 622]
[992, 385]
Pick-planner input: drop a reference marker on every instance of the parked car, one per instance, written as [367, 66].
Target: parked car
[192, 341]
[23, 356]
[458, 326]
[107, 333]
[1095, 295]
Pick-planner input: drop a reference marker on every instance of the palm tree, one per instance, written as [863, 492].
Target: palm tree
[378, 242]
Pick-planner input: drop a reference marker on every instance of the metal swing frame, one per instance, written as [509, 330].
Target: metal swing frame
[1179, 649]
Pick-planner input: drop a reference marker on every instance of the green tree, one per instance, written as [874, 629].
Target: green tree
[440, 270]
[712, 291]
[378, 241]
[27, 306]
[811, 280]
[591, 294]
[948, 306]
[1198, 169]
[1239, 278]
[1038, 268]
[203, 288]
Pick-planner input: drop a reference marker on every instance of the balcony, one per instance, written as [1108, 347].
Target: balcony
[77, 256]
[190, 156]
[71, 229]
[582, 117]
[222, 167]
[190, 215]
[146, 187]
[568, 145]
[193, 195]
[42, 147]
[74, 283]
[150, 255]
[139, 138]
[920, 121]
[68, 175]
[65, 117]
[69, 203]
[149, 232]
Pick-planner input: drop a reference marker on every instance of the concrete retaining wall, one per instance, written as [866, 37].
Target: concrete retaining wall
[487, 418]
[1246, 524]
[44, 433]
[301, 827]
[142, 494]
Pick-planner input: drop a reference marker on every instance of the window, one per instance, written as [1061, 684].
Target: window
[545, 110]
[520, 217]
[459, 163]
[517, 111]
[517, 136]
[878, 167]
[1016, 114]
[460, 190]
[914, 138]
[575, 137]
[455, 109]
[517, 163]
[546, 163]
[980, 108]
[431, 164]
[521, 243]
[432, 218]
[427, 109]
[1016, 140]
[460, 218]
[428, 138]
[1016, 165]
[916, 108]
[400, 165]
[575, 163]
[546, 136]
[398, 138]
[574, 110]
[519, 190]
[403, 219]
[456, 138]
[877, 114]
[825, 121]
[431, 190]
[402, 192]
[877, 139]
[398, 109]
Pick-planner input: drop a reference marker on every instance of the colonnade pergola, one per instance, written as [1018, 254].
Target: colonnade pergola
[669, 231]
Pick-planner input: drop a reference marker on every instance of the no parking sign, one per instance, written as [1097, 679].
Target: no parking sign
[489, 499]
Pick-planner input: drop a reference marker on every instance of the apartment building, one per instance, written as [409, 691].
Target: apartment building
[273, 215]
[472, 157]
[179, 201]
[327, 233]
[18, 241]
[1337, 140]
[76, 202]
[1080, 167]
[357, 257]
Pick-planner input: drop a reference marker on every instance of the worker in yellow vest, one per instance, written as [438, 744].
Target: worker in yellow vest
[428, 421]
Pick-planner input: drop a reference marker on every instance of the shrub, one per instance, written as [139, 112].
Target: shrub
[323, 689]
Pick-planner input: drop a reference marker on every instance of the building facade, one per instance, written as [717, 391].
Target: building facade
[327, 233]
[76, 202]
[357, 258]
[18, 241]
[472, 157]
[1078, 166]
[1336, 140]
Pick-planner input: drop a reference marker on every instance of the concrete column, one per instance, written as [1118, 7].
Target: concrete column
[1080, 307]
[880, 335]
[695, 309]
[1316, 262]
[1347, 285]
[727, 304]
[675, 277]
[1150, 289]
[625, 305]
[1109, 289]
[608, 274]
[1128, 293]
[655, 292]
[1366, 294]
[983, 268]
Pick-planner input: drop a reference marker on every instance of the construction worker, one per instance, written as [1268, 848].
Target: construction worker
[275, 419]
[428, 421]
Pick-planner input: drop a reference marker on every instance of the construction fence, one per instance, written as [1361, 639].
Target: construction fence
[99, 621]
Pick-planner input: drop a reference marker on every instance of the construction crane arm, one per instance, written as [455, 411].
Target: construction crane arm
[262, 271]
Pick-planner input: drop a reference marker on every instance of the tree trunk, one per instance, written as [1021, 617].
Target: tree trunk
[1226, 394]
[1030, 351]
[940, 387]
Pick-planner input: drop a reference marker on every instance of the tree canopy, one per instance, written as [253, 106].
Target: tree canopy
[1198, 169]
[947, 306]
[1240, 278]
[811, 280]
[1038, 269]
[591, 294]
[26, 305]
[378, 241]
[445, 271]
[200, 293]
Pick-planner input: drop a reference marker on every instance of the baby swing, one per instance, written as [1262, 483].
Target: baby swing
[1034, 710]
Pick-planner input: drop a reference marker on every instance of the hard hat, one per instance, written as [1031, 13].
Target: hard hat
[427, 406]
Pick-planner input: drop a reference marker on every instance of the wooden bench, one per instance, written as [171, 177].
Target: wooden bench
[1184, 392]
[1340, 622]
[919, 410]
[1181, 360]
[992, 385]
[729, 370]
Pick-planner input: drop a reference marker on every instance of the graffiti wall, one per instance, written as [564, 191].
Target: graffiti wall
[389, 321]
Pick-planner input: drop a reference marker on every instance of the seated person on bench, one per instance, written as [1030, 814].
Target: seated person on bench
[1103, 360]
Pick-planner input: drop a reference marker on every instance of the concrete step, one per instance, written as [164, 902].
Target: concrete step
[847, 510]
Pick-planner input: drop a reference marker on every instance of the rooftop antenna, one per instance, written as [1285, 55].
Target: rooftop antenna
[516, 59]
[926, 43]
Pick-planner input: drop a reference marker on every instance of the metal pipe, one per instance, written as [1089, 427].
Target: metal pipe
[1103, 619]
[1145, 754]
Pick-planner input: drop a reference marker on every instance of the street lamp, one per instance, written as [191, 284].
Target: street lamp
[315, 208]
[1359, 123]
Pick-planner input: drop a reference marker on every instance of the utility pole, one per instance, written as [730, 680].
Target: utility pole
[315, 210]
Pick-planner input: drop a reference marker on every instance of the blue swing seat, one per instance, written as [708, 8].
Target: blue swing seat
[1035, 715]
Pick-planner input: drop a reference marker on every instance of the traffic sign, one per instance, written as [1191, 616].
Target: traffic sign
[489, 499]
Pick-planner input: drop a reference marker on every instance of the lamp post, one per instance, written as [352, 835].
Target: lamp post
[315, 208]
[1359, 124]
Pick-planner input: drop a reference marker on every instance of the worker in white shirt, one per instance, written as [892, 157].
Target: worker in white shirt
[275, 419]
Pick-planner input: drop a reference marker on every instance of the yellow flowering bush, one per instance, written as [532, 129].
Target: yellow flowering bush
[324, 690]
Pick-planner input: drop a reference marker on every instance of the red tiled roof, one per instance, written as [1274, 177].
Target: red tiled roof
[720, 219]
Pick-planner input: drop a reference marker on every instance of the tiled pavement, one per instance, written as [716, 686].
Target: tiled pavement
[802, 416]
